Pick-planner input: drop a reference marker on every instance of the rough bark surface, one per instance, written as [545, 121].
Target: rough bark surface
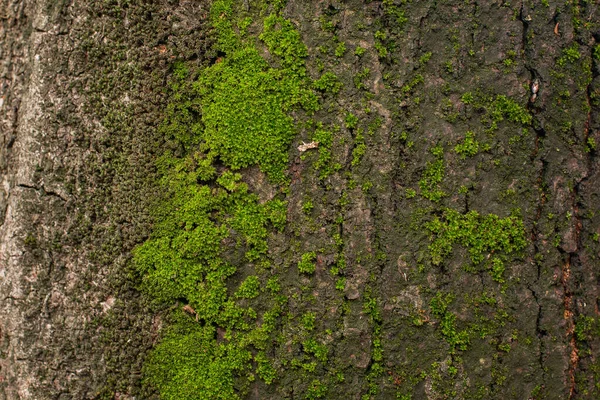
[82, 92]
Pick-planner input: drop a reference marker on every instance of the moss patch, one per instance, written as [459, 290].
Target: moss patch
[482, 235]
[234, 115]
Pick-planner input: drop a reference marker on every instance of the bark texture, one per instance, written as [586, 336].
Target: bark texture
[507, 91]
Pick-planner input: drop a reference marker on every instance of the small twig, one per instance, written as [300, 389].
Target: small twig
[306, 146]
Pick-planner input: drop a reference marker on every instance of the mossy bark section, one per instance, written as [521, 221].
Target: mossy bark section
[82, 97]
[82, 89]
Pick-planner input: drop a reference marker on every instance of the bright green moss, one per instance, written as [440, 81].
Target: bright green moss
[250, 221]
[467, 98]
[306, 265]
[283, 40]
[264, 368]
[439, 307]
[371, 308]
[340, 50]
[307, 207]
[244, 102]
[329, 83]
[504, 107]
[497, 270]
[276, 213]
[249, 288]
[320, 351]
[359, 51]
[569, 55]
[273, 285]
[188, 364]
[480, 234]
[244, 112]
[221, 17]
[351, 121]
[236, 112]
[468, 147]
[229, 180]
[308, 321]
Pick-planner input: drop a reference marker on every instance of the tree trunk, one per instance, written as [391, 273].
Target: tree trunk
[442, 203]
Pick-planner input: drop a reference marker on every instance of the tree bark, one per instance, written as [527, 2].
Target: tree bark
[83, 92]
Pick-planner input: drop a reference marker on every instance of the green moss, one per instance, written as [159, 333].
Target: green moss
[235, 112]
[504, 107]
[439, 307]
[586, 328]
[409, 87]
[30, 240]
[325, 162]
[273, 285]
[249, 288]
[250, 222]
[424, 59]
[320, 351]
[360, 148]
[351, 121]
[497, 109]
[284, 41]
[244, 111]
[308, 321]
[306, 265]
[264, 368]
[371, 308]
[395, 12]
[329, 83]
[382, 51]
[590, 144]
[467, 98]
[307, 206]
[497, 270]
[189, 364]
[433, 176]
[596, 52]
[360, 77]
[481, 235]
[468, 147]
[569, 55]
[340, 50]
[317, 390]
